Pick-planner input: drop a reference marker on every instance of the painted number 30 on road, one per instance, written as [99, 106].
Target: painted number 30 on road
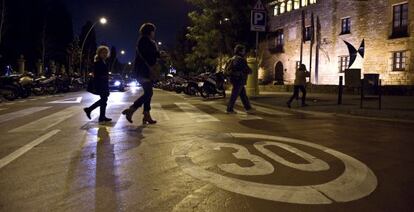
[356, 182]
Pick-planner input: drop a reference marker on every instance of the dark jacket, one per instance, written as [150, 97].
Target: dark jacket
[101, 77]
[146, 55]
[240, 70]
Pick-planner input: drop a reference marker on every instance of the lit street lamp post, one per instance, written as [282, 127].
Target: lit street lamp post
[102, 21]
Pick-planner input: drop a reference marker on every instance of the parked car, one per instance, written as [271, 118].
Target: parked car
[116, 82]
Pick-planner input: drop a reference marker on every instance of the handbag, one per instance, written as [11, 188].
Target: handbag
[92, 88]
[154, 71]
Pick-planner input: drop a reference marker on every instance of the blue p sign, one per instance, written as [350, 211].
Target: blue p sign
[258, 22]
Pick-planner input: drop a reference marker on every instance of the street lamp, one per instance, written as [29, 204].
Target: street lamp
[123, 52]
[102, 21]
[159, 43]
[129, 63]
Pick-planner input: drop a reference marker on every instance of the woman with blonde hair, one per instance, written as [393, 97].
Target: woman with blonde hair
[100, 81]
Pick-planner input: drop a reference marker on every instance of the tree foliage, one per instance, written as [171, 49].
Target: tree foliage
[216, 26]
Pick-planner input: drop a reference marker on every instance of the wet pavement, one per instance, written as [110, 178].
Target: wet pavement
[52, 158]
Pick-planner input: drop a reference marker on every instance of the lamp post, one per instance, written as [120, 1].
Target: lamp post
[102, 21]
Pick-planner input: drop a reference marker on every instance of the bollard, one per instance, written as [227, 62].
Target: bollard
[252, 87]
[21, 64]
[340, 89]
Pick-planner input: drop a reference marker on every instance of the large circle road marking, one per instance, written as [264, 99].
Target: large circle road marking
[357, 180]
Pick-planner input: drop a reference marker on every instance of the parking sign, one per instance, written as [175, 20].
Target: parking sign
[258, 18]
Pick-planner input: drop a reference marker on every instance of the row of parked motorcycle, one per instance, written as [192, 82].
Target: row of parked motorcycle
[206, 85]
[24, 85]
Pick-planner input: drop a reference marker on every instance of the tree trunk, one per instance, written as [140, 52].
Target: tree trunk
[2, 17]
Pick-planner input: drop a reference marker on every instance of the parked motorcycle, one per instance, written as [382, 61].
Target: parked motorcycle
[213, 85]
[8, 88]
[44, 85]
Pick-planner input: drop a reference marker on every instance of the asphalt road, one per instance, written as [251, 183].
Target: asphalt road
[52, 158]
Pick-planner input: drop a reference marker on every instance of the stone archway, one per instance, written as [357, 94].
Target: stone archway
[279, 73]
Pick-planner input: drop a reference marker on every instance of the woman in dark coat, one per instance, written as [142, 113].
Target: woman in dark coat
[146, 58]
[101, 78]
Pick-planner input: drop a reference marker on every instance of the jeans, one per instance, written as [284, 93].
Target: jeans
[146, 98]
[296, 93]
[101, 103]
[238, 90]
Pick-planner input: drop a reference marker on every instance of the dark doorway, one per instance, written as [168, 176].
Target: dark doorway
[279, 72]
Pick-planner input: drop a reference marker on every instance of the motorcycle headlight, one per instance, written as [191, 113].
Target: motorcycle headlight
[117, 83]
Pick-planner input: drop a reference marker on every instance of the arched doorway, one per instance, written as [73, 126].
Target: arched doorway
[279, 72]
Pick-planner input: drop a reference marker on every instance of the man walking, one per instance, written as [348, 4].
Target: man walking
[238, 70]
[300, 84]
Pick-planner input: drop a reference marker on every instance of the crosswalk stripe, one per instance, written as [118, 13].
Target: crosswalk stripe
[196, 114]
[240, 114]
[48, 121]
[159, 113]
[20, 113]
[19, 152]
[271, 111]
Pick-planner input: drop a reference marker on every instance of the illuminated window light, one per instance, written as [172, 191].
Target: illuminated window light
[289, 6]
[296, 4]
[282, 8]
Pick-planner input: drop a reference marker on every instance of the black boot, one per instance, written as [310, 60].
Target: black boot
[129, 113]
[87, 112]
[102, 116]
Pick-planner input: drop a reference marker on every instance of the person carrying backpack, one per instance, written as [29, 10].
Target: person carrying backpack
[238, 71]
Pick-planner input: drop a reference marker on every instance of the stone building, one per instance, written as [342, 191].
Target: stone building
[387, 26]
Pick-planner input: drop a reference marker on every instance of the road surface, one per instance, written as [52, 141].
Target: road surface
[52, 158]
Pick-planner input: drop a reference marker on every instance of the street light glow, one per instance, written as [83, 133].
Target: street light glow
[123, 52]
[103, 20]
[129, 63]
[159, 43]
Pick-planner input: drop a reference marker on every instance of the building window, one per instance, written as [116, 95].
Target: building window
[400, 20]
[276, 10]
[289, 6]
[296, 4]
[312, 1]
[276, 41]
[343, 63]
[279, 38]
[304, 3]
[399, 61]
[346, 26]
[308, 33]
[282, 8]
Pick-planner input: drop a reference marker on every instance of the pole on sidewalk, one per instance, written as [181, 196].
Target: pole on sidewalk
[340, 90]
[379, 94]
[362, 94]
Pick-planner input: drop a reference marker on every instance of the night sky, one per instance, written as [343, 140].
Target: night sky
[125, 17]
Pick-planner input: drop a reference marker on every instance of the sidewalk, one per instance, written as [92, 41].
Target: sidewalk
[394, 108]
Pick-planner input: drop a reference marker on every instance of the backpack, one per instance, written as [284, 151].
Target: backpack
[229, 67]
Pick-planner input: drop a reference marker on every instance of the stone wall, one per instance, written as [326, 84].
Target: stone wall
[370, 20]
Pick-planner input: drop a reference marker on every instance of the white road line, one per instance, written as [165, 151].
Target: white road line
[20, 113]
[32, 99]
[21, 101]
[240, 114]
[159, 112]
[68, 101]
[19, 152]
[48, 121]
[271, 111]
[10, 103]
[3, 109]
[196, 114]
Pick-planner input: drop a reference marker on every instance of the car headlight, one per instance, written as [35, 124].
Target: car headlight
[133, 84]
[117, 83]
